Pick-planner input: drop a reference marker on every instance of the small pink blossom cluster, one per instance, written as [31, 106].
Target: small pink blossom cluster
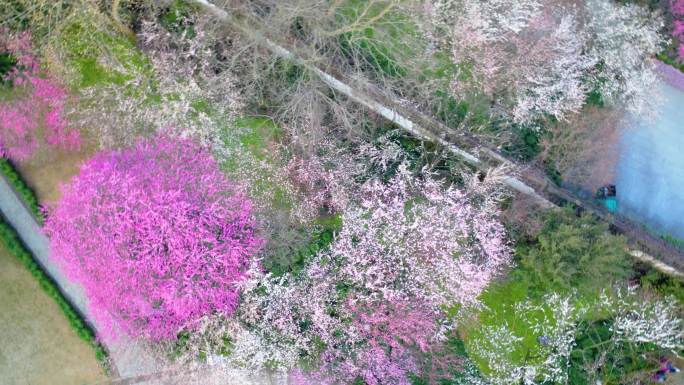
[325, 179]
[156, 235]
[391, 336]
[677, 8]
[37, 116]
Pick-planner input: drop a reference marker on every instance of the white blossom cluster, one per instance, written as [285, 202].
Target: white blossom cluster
[656, 322]
[435, 245]
[540, 58]
[552, 81]
[624, 39]
[554, 321]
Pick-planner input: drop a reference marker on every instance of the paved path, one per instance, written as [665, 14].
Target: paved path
[129, 359]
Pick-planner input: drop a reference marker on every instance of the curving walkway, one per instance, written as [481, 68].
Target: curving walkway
[128, 357]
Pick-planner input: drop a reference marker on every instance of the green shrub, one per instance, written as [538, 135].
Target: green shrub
[674, 241]
[472, 112]
[524, 143]
[13, 245]
[7, 62]
[572, 252]
[594, 98]
[176, 18]
[552, 172]
[387, 46]
[618, 360]
[664, 284]
[22, 189]
[14, 15]
[377, 56]
[319, 240]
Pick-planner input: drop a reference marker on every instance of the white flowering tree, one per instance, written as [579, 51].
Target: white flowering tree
[508, 356]
[624, 39]
[541, 58]
[418, 239]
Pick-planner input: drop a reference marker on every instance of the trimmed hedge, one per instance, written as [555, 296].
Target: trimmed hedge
[665, 58]
[24, 191]
[14, 246]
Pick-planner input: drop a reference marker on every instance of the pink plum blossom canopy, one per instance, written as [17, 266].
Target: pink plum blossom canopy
[156, 235]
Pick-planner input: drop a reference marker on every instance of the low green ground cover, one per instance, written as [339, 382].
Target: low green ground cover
[668, 59]
[14, 246]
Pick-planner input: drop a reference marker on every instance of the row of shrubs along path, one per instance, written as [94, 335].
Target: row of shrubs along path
[128, 358]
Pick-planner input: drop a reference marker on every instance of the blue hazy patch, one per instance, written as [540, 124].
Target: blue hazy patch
[650, 171]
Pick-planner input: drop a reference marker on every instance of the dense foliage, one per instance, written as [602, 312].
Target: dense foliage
[574, 253]
[157, 236]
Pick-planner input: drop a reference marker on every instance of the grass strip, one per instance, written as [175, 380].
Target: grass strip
[14, 246]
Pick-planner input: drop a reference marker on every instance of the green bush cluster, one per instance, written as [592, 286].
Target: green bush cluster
[595, 343]
[572, 255]
[24, 191]
[377, 56]
[14, 246]
[652, 279]
[674, 241]
[572, 252]
[320, 240]
[7, 62]
[176, 18]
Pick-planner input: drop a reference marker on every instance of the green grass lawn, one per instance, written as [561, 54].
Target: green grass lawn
[37, 345]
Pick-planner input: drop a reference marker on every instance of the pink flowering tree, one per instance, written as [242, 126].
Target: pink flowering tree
[156, 235]
[390, 339]
[36, 116]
